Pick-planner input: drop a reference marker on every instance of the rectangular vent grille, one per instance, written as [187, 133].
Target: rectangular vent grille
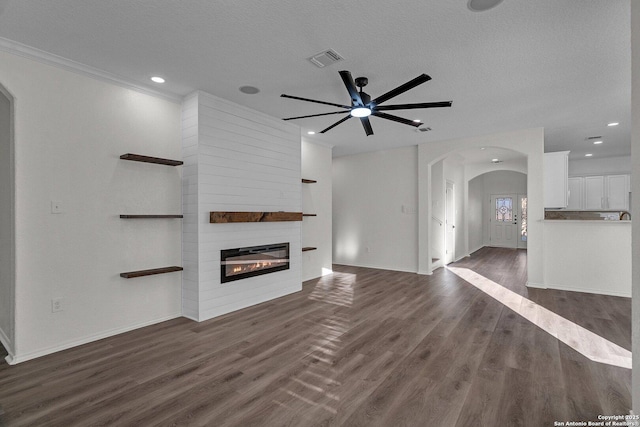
[589, 138]
[425, 129]
[326, 57]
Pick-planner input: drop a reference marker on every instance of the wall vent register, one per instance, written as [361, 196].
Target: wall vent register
[240, 263]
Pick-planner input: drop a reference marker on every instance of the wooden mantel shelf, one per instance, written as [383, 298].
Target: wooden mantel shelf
[228, 217]
[309, 181]
[308, 248]
[148, 159]
[140, 273]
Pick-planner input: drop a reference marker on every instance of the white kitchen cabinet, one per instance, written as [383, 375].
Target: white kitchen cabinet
[556, 174]
[576, 193]
[617, 192]
[607, 192]
[594, 192]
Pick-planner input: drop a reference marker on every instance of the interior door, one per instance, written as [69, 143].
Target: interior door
[450, 223]
[504, 220]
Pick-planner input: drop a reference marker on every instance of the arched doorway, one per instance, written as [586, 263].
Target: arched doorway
[528, 144]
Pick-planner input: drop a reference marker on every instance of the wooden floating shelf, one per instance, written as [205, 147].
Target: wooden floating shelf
[309, 181]
[309, 214]
[149, 216]
[229, 217]
[140, 273]
[147, 159]
[308, 248]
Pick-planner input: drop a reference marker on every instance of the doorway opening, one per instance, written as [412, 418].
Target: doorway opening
[7, 223]
[450, 223]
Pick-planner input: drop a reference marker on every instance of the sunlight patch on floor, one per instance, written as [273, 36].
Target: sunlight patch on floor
[580, 339]
[338, 291]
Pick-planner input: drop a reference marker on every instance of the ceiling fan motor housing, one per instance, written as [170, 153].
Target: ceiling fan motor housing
[361, 82]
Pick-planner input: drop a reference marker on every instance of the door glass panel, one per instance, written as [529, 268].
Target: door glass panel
[504, 209]
[523, 227]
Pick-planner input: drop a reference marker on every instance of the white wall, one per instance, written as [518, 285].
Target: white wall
[605, 166]
[588, 256]
[236, 159]
[374, 205]
[316, 199]
[635, 188]
[7, 241]
[499, 182]
[476, 213]
[69, 133]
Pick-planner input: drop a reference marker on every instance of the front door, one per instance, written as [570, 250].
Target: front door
[503, 220]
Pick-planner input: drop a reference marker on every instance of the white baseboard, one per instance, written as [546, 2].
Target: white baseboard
[536, 285]
[578, 289]
[19, 358]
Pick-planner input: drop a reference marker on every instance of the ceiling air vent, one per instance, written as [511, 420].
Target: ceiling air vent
[326, 57]
[424, 129]
[590, 138]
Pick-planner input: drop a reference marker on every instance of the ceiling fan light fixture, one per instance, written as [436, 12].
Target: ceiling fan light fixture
[361, 112]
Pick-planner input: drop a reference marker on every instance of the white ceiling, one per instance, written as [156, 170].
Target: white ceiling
[564, 65]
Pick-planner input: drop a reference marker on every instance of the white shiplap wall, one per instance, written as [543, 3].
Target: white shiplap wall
[236, 159]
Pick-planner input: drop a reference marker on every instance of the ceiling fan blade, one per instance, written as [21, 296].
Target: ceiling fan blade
[396, 119]
[335, 124]
[316, 115]
[366, 124]
[356, 100]
[414, 106]
[422, 78]
[316, 101]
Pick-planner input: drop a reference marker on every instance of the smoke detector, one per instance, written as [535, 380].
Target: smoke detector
[326, 57]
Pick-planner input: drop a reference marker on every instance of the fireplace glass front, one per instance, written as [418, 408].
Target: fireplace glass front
[240, 263]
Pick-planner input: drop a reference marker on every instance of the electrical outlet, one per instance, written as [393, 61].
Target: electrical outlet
[56, 305]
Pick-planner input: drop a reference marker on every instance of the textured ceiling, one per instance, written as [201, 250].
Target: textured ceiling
[560, 64]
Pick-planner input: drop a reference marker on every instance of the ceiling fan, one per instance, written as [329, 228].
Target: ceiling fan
[362, 106]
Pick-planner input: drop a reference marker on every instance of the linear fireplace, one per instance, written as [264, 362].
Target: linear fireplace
[240, 263]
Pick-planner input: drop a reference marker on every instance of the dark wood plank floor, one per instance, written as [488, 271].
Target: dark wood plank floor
[361, 347]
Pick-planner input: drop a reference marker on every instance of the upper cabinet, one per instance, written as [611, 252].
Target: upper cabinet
[576, 193]
[599, 192]
[594, 192]
[556, 175]
[617, 189]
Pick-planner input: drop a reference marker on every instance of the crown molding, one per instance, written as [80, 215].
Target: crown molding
[41, 56]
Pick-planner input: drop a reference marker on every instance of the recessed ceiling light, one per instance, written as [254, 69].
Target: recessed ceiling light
[597, 142]
[482, 5]
[157, 79]
[613, 124]
[249, 90]
[416, 121]
[495, 160]
[311, 132]
[483, 148]
[588, 155]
